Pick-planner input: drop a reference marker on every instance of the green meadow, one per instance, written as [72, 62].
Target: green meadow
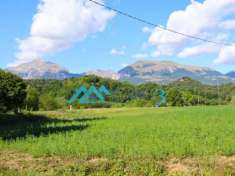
[122, 141]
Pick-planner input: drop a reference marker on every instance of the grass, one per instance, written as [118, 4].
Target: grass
[134, 141]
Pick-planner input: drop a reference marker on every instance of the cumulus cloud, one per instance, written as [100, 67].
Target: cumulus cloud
[58, 24]
[226, 55]
[228, 24]
[209, 20]
[199, 50]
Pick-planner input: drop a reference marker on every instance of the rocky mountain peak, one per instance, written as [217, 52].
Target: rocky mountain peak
[38, 65]
[40, 69]
[166, 72]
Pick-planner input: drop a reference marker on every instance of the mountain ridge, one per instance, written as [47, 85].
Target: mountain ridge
[40, 69]
[163, 72]
[231, 74]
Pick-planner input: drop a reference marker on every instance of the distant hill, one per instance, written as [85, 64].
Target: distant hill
[40, 69]
[104, 74]
[231, 74]
[166, 72]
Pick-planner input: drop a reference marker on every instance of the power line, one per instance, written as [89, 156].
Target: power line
[158, 26]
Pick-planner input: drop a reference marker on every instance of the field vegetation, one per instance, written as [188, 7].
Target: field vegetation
[122, 141]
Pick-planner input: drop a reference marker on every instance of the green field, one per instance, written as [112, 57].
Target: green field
[134, 141]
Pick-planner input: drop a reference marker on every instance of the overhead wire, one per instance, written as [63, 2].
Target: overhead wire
[159, 26]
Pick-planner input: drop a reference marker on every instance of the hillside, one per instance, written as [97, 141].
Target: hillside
[165, 72]
[104, 74]
[40, 69]
[231, 74]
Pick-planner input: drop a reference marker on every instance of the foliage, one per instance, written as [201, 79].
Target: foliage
[32, 99]
[12, 92]
[48, 102]
[175, 97]
[184, 92]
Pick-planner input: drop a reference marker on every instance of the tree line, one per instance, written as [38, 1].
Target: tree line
[33, 95]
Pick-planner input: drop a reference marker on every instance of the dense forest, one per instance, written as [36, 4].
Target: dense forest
[35, 95]
[53, 94]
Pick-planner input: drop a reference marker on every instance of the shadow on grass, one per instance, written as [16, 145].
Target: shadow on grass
[20, 126]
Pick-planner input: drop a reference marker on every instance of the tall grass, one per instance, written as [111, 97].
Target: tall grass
[133, 132]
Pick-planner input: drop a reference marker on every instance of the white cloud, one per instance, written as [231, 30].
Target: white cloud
[155, 54]
[210, 20]
[228, 24]
[124, 65]
[226, 55]
[147, 30]
[199, 50]
[118, 52]
[58, 24]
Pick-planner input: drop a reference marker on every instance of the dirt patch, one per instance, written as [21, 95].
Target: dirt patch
[225, 163]
[14, 161]
[97, 160]
[218, 166]
[176, 166]
[24, 162]
[188, 166]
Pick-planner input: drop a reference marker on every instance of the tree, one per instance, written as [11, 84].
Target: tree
[12, 92]
[48, 102]
[175, 97]
[147, 90]
[32, 99]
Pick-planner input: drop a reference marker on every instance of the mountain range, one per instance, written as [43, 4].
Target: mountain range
[163, 72]
[40, 69]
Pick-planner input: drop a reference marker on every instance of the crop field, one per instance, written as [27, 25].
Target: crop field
[125, 141]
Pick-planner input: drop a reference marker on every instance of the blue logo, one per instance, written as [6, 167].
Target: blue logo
[89, 96]
[162, 95]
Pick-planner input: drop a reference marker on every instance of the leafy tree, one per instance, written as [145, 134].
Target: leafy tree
[32, 99]
[48, 102]
[147, 90]
[12, 92]
[175, 97]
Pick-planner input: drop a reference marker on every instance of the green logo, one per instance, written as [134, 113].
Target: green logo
[89, 96]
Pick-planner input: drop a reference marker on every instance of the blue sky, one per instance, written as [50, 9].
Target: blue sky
[121, 42]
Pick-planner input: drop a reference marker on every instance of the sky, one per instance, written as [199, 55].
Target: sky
[82, 36]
